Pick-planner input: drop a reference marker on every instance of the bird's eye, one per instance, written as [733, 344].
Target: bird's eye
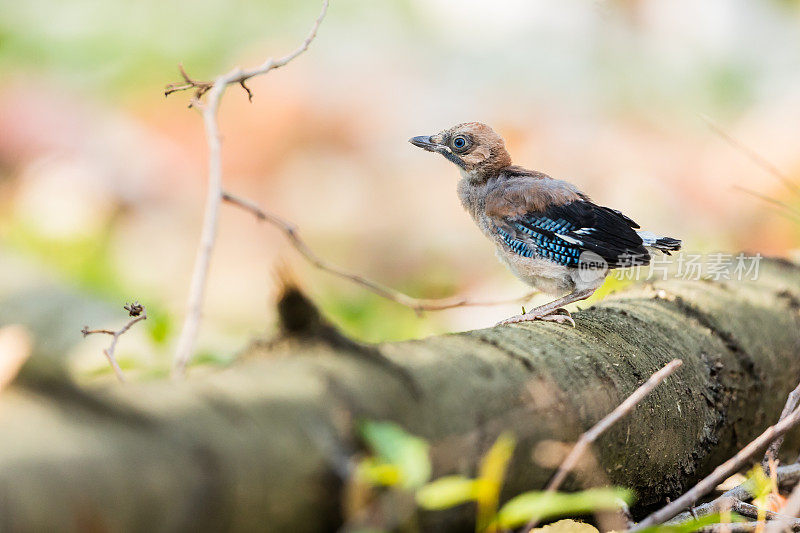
[460, 142]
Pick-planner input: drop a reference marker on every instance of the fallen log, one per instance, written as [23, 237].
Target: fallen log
[266, 444]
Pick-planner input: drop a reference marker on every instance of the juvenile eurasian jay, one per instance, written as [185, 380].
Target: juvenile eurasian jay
[546, 231]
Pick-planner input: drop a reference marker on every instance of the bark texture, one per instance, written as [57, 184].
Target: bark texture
[265, 444]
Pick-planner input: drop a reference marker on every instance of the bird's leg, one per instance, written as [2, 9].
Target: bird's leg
[550, 311]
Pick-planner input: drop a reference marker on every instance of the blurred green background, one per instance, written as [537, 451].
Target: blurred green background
[102, 179]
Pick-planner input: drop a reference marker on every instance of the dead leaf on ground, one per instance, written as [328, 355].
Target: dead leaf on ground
[567, 526]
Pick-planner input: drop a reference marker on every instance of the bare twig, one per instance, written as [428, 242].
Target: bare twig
[417, 304]
[744, 527]
[137, 313]
[240, 76]
[201, 87]
[754, 156]
[609, 420]
[788, 474]
[191, 324]
[724, 470]
[606, 422]
[752, 511]
[775, 447]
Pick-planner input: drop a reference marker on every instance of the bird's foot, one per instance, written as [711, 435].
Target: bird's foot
[559, 316]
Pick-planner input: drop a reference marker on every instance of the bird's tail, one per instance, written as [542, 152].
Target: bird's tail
[664, 244]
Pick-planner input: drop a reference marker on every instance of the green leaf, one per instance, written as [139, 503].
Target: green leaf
[491, 475]
[378, 473]
[544, 505]
[760, 484]
[447, 492]
[494, 463]
[392, 445]
[691, 525]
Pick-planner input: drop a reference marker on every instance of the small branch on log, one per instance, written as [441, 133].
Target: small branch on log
[419, 305]
[724, 470]
[137, 313]
[785, 475]
[191, 324]
[775, 447]
[744, 527]
[752, 511]
[609, 420]
[606, 422]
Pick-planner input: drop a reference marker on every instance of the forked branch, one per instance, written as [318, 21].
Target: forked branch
[137, 312]
[194, 307]
[240, 76]
[775, 447]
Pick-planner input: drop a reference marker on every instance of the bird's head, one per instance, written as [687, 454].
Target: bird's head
[476, 148]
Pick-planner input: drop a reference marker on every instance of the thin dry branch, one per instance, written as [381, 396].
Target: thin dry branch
[720, 473]
[602, 426]
[754, 156]
[745, 527]
[417, 304]
[730, 503]
[191, 324]
[609, 420]
[137, 313]
[753, 511]
[240, 76]
[775, 447]
[789, 474]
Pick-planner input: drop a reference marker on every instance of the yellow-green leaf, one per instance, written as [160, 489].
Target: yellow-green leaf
[392, 445]
[545, 505]
[691, 525]
[447, 492]
[375, 472]
[759, 483]
[494, 463]
[491, 475]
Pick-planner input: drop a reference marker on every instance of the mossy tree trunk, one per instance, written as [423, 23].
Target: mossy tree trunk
[265, 444]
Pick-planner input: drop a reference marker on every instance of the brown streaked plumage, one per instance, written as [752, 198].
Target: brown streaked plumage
[520, 195]
[549, 233]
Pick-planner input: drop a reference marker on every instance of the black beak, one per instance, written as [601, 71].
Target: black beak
[424, 142]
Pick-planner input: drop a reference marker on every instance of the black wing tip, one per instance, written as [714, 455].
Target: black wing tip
[667, 244]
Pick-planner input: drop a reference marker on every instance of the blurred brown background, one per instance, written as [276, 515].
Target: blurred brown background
[102, 179]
